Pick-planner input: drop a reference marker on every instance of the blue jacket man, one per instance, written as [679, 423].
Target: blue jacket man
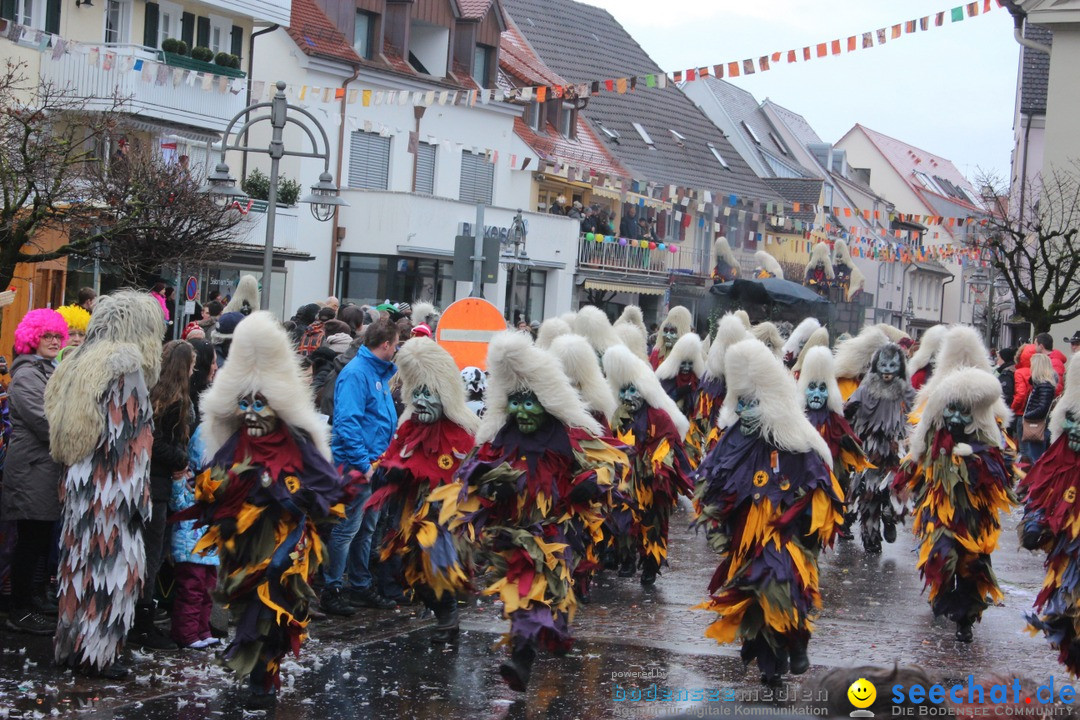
[364, 422]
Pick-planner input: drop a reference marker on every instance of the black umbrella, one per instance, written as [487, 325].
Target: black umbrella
[768, 291]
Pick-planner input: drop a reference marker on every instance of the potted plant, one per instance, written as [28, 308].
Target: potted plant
[170, 45]
[202, 54]
[222, 58]
[257, 186]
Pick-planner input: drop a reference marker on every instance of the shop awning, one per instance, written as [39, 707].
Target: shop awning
[607, 193]
[625, 287]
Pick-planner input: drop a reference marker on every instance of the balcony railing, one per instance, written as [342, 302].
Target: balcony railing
[613, 257]
[131, 73]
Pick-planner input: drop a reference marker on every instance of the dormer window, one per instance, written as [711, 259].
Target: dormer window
[364, 34]
[482, 57]
[644, 135]
[429, 47]
[534, 116]
[568, 121]
[611, 134]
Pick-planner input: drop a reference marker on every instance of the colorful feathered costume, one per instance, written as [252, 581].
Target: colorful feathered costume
[268, 482]
[1052, 524]
[878, 413]
[853, 357]
[713, 388]
[538, 476]
[958, 480]
[769, 503]
[727, 266]
[680, 375]
[434, 435]
[101, 429]
[678, 322]
[648, 422]
[819, 275]
[825, 411]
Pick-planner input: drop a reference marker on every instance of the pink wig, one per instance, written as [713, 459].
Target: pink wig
[34, 325]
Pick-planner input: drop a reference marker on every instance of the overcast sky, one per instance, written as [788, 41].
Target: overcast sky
[950, 90]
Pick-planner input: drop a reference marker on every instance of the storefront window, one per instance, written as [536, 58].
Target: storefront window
[530, 289]
[372, 279]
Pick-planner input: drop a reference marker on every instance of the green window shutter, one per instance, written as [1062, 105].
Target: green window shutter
[52, 17]
[150, 27]
[203, 32]
[187, 29]
[237, 41]
[7, 9]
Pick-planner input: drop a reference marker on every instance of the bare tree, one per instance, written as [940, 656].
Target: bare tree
[1036, 248]
[60, 192]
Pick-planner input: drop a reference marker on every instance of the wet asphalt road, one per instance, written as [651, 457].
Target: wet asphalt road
[380, 664]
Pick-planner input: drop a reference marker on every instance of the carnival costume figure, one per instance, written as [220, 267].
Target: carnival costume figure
[958, 481]
[101, 429]
[713, 389]
[792, 347]
[540, 472]
[769, 504]
[680, 377]
[677, 323]
[434, 435]
[878, 412]
[819, 338]
[767, 266]
[631, 331]
[268, 481]
[819, 275]
[825, 411]
[727, 266]
[925, 358]
[648, 422]
[1052, 524]
[853, 357]
[846, 274]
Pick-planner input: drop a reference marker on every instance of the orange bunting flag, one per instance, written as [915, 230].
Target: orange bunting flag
[895, 31]
[691, 75]
[806, 53]
[795, 207]
[986, 6]
[733, 69]
[835, 47]
[610, 84]
[851, 43]
[718, 71]
[822, 49]
[909, 27]
[620, 85]
[939, 19]
[763, 63]
[676, 76]
[541, 94]
[791, 56]
[973, 9]
[776, 56]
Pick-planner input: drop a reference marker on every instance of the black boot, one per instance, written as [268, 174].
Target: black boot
[446, 616]
[890, 529]
[515, 671]
[145, 634]
[628, 567]
[963, 630]
[45, 601]
[583, 588]
[649, 571]
[800, 662]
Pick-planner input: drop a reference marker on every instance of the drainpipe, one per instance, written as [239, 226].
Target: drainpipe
[941, 308]
[335, 239]
[1023, 168]
[1019, 18]
[251, 65]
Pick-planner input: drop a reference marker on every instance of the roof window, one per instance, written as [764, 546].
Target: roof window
[718, 156]
[644, 135]
[753, 135]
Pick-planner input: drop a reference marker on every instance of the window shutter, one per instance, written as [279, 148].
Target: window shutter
[7, 9]
[150, 27]
[477, 178]
[237, 41]
[203, 32]
[187, 29]
[425, 168]
[369, 161]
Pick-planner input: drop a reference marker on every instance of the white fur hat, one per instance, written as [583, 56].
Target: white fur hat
[679, 318]
[894, 334]
[820, 256]
[568, 318]
[818, 366]
[929, 344]
[631, 315]
[549, 330]
[858, 281]
[751, 370]
[798, 337]
[820, 338]
[686, 349]
[579, 362]
[1069, 400]
[514, 364]
[768, 263]
[623, 368]
[960, 347]
[421, 361]
[592, 324]
[634, 338]
[841, 254]
[729, 331]
[247, 291]
[977, 389]
[262, 360]
[723, 250]
[424, 312]
[744, 317]
[853, 356]
[770, 337]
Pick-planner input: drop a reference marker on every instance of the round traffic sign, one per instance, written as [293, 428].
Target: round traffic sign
[466, 328]
[192, 288]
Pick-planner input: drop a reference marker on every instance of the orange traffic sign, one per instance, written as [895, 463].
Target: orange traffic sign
[465, 329]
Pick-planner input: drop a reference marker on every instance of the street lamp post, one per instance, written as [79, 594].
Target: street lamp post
[517, 260]
[324, 199]
[909, 313]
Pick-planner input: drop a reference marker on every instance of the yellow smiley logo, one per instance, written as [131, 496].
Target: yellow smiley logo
[862, 693]
[761, 478]
[292, 483]
[1070, 495]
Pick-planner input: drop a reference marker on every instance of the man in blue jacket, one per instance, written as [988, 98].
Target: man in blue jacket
[364, 423]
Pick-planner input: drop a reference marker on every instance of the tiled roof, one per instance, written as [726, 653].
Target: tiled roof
[806, 191]
[796, 123]
[908, 159]
[474, 9]
[314, 34]
[518, 59]
[582, 43]
[1034, 71]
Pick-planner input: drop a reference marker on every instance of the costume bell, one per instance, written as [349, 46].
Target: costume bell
[769, 504]
[958, 481]
[1051, 524]
[101, 428]
[434, 436]
[539, 472]
[648, 422]
[878, 412]
[268, 482]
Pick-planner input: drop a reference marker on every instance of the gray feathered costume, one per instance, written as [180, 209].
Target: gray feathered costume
[101, 429]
